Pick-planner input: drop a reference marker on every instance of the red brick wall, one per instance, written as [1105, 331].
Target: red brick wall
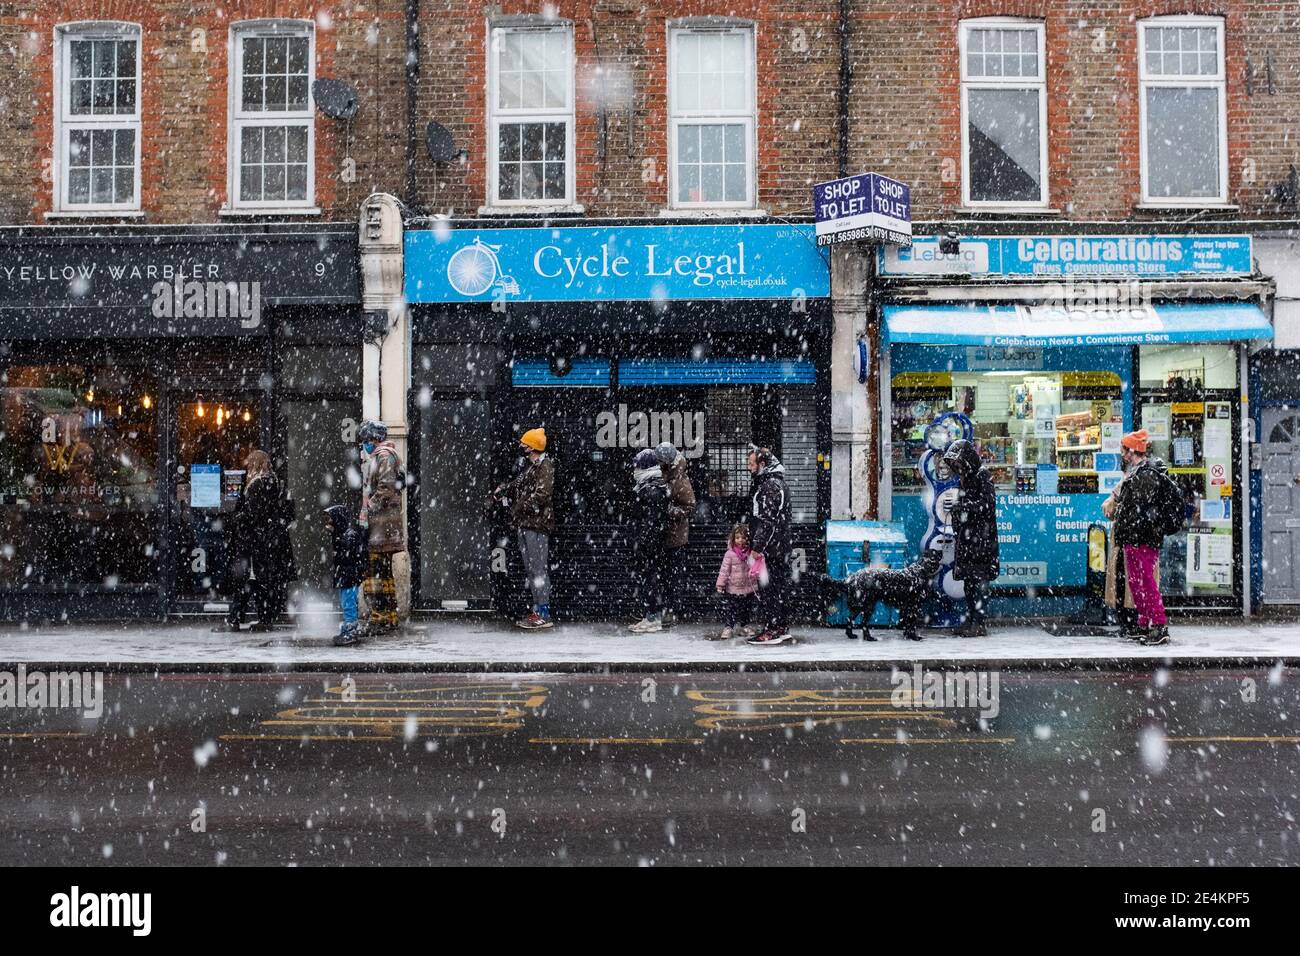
[904, 108]
[627, 40]
[906, 113]
[183, 175]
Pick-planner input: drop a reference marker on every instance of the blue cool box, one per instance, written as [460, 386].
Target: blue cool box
[886, 546]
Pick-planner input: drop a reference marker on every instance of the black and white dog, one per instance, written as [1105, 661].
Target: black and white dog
[902, 588]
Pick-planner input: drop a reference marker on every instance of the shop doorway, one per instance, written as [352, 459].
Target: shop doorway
[1188, 401]
[454, 528]
[323, 468]
[213, 435]
[1280, 508]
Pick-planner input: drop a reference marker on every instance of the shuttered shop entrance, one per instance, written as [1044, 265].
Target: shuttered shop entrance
[599, 412]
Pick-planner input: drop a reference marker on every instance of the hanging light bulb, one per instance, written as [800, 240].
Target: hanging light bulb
[247, 416]
[220, 415]
[90, 394]
[147, 402]
[200, 412]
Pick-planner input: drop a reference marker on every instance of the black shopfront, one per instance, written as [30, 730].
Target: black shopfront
[606, 378]
[138, 367]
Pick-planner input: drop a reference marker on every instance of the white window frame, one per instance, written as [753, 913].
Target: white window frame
[1202, 81]
[496, 116]
[969, 83]
[65, 121]
[239, 119]
[748, 116]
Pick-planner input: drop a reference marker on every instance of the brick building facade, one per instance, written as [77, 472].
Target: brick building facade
[905, 115]
[185, 101]
[1028, 118]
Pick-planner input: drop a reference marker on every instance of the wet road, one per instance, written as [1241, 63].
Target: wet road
[1067, 768]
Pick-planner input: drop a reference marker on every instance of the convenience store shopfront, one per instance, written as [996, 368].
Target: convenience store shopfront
[1052, 363]
[138, 367]
[613, 338]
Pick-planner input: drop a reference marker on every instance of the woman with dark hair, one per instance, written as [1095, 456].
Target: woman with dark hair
[264, 514]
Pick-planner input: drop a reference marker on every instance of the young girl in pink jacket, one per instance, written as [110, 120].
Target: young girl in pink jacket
[736, 584]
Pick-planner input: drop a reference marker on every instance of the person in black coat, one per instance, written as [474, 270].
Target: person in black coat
[975, 528]
[648, 522]
[350, 565]
[769, 537]
[238, 584]
[266, 515]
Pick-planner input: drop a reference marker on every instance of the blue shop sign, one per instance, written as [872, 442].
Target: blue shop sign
[614, 263]
[1092, 256]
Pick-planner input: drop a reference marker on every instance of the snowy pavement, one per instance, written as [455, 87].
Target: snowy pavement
[482, 643]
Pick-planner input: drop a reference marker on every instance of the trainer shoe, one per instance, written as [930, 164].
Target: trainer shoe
[770, 637]
[1156, 635]
[647, 625]
[532, 622]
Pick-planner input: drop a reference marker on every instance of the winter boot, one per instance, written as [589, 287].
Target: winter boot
[1155, 635]
[911, 635]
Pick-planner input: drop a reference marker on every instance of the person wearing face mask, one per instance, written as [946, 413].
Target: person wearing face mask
[381, 515]
[1146, 503]
[769, 538]
[975, 530]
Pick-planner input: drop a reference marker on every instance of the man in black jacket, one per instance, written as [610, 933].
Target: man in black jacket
[769, 538]
[975, 527]
[648, 521]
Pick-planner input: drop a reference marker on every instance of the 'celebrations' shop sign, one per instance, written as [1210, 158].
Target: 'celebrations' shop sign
[1096, 256]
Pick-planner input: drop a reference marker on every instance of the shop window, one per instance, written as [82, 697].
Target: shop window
[1039, 432]
[1187, 368]
[1004, 104]
[711, 107]
[78, 478]
[98, 131]
[530, 99]
[272, 129]
[1184, 128]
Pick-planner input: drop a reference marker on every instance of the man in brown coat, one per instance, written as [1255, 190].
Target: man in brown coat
[381, 515]
[530, 494]
[677, 535]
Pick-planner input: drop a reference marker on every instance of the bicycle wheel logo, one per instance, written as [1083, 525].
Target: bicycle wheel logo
[475, 269]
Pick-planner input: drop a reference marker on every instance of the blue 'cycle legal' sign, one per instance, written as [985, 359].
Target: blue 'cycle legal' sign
[614, 263]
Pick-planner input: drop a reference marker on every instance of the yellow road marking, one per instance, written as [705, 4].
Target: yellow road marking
[595, 741]
[928, 740]
[38, 735]
[304, 737]
[1234, 740]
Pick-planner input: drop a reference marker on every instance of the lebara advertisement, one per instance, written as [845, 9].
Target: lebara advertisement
[1042, 539]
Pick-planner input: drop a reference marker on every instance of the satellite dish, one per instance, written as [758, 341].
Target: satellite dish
[438, 140]
[337, 99]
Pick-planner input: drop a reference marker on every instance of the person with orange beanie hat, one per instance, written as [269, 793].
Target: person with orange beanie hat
[1138, 530]
[530, 495]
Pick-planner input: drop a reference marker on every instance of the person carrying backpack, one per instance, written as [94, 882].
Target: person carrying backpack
[1149, 506]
